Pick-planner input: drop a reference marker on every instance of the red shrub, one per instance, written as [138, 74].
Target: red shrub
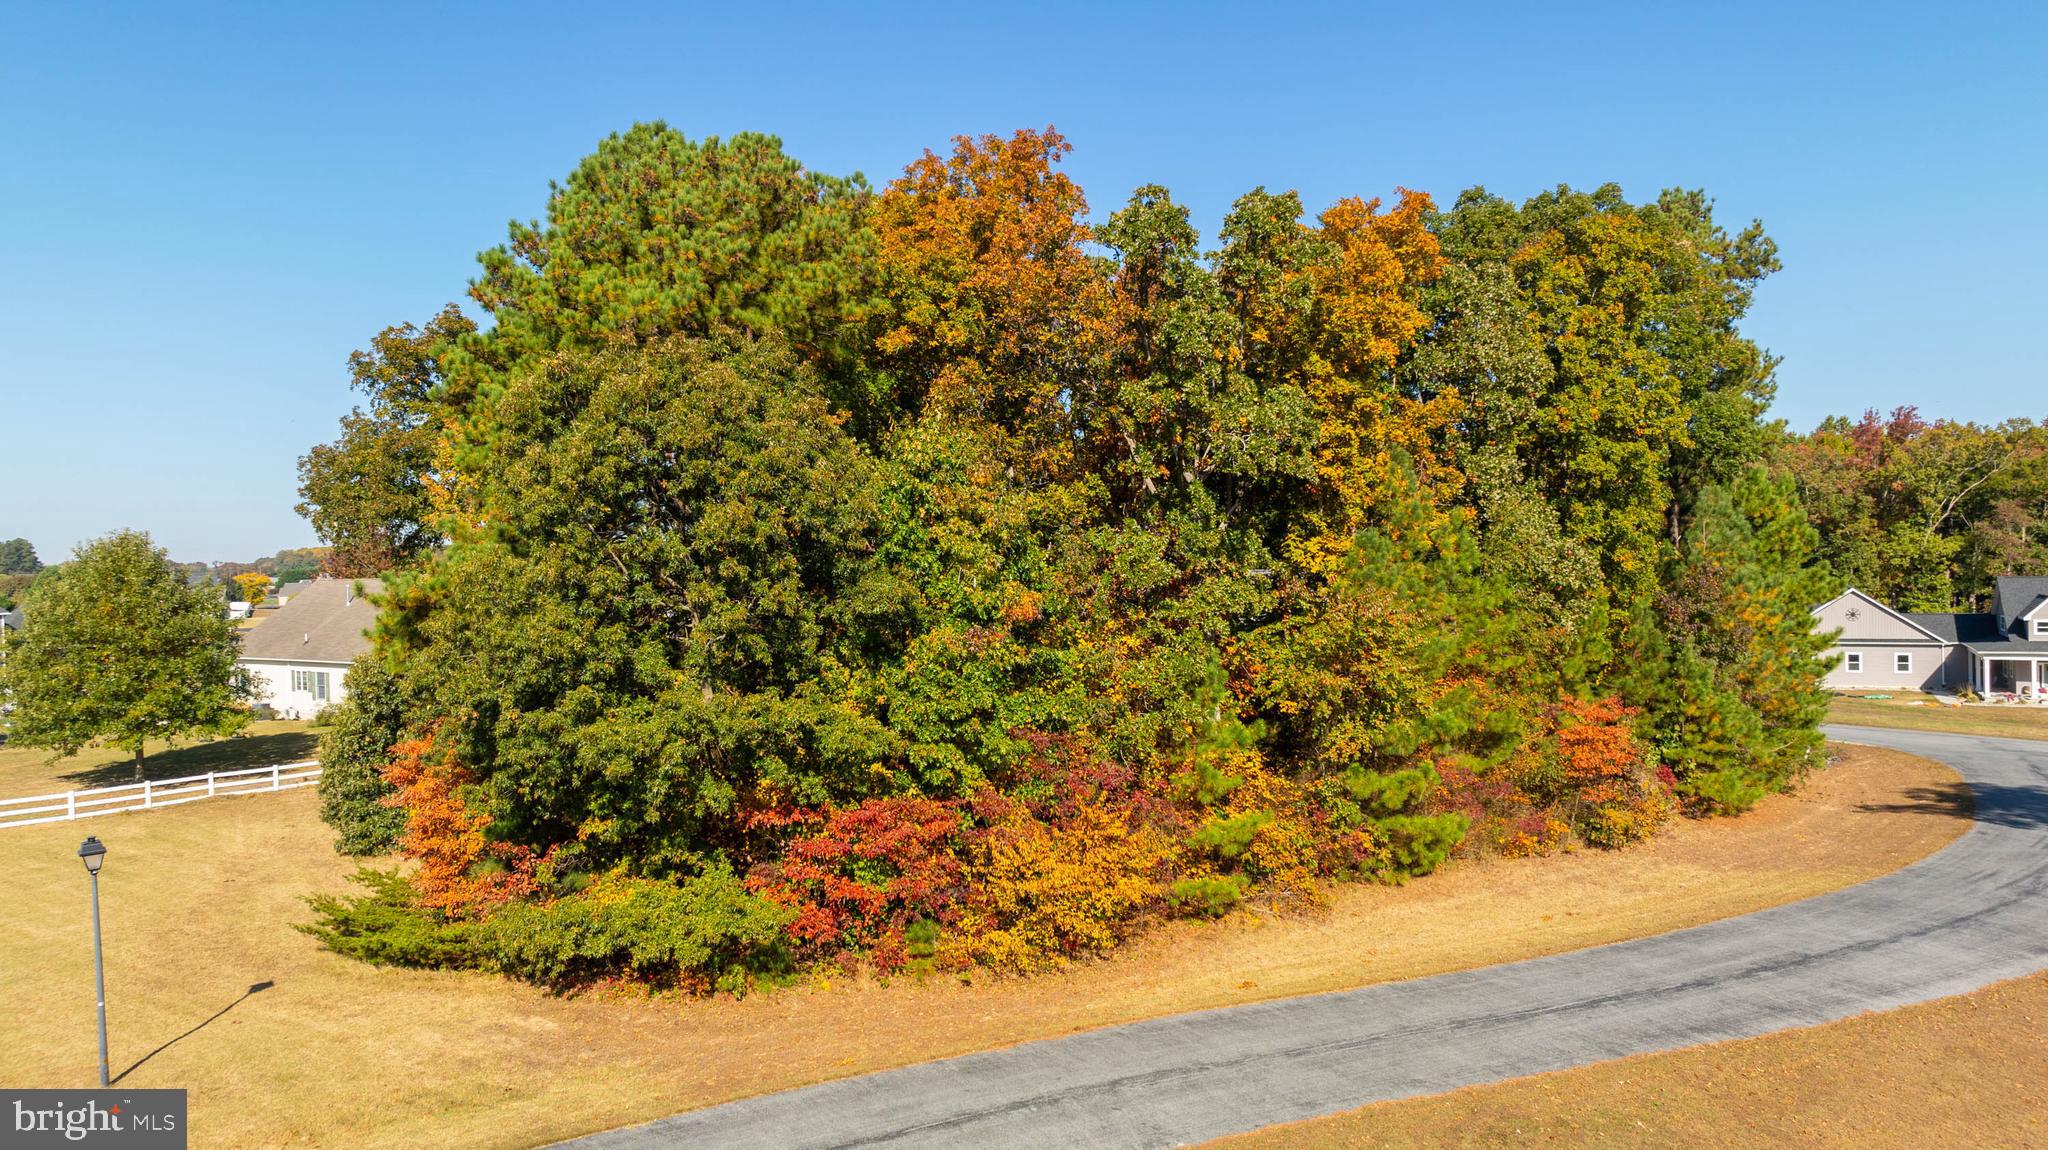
[865, 874]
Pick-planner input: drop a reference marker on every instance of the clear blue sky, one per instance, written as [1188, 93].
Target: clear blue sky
[208, 208]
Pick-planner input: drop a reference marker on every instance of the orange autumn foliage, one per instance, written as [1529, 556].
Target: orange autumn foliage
[1596, 743]
[1612, 792]
[461, 872]
[1367, 312]
[1365, 298]
[995, 301]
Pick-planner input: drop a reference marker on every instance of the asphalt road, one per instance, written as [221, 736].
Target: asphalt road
[1972, 914]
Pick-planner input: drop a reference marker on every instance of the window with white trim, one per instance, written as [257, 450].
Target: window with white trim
[312, 683]
[1852, 661]
[1903, 662]
[2040, 628]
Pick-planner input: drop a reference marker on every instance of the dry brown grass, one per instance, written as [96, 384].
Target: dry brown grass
[29, 771]
[1912, 711]
[1963, 1072]
[198, 900]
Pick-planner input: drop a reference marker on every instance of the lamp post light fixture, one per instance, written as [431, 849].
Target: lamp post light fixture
[93, 853]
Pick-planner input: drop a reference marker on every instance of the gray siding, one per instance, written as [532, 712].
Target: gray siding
[1928, 662]
[1874, 622]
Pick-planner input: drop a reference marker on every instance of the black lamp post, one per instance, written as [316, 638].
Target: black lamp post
[92, 852]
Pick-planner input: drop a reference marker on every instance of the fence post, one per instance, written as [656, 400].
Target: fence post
[71, 804]
[146, 804]
[211, 778]
[274, 778]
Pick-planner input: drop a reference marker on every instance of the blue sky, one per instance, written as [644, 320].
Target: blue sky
[209, 207]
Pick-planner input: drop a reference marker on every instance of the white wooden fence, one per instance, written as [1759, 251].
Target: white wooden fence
[144, 796]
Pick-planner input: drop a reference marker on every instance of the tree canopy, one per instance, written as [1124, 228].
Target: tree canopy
[938, 574]
[18, 557]
[118, 649]
[1923, 515]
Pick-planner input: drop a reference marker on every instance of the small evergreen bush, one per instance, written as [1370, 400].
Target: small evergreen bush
[360, 733]
[386, 926]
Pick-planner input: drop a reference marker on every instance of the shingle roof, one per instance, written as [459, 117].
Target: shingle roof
[1959, 628]
[12, 620]
[2014, 595]
[2004, 646]
[294, 588]
[326, 623]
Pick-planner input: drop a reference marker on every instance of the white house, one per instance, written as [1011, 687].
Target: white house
[299, 655]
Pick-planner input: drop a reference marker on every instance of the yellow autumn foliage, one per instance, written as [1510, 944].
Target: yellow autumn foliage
[1044, 893]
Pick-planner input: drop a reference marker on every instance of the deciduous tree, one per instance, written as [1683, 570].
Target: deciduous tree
[118, 649]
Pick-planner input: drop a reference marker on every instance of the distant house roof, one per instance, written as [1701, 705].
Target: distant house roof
[328, 622]
[294, 588]
[11, 620]
[2014, 596]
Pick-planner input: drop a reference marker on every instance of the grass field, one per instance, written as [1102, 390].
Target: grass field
[1970, 1071]
[1911, 710]
[27, 771]
[199, 898]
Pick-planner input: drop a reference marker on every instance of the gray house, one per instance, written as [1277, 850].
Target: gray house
[2000, 651]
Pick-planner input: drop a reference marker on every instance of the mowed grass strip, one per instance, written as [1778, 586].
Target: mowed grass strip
[1912, 711]
[1970, 1071]
[28, 770]
[199, 902]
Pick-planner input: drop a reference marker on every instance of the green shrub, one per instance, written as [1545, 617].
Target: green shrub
[1728, 791]
[1229, 837]
[921, 939]
[706, 932]
[1418, 844]
[352, 789]
[1210, 896]
[385, 926]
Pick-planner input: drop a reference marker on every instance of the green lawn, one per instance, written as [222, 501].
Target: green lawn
[29, 771]
[1910, 709]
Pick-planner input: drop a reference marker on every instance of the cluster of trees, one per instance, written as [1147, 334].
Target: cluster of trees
[1924, 515]
[795, 572]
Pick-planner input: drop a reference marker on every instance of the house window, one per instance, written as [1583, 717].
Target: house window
[312, 683]
[1852, 661]
[1902, 663]
[2040, 627]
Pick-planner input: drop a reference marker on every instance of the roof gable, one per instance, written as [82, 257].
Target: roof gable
[2013, 595]
[1861, 618]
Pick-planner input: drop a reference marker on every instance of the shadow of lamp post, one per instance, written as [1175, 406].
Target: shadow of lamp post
[93, 853]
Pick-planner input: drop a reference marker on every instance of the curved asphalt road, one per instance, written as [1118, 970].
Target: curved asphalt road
[1972, 914]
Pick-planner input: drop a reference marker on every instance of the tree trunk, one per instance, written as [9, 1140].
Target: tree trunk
[138, 762]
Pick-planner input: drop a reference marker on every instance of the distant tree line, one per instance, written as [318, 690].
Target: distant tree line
[1923, 515]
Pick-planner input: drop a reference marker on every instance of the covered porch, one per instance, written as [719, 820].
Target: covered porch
[2016, 676]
